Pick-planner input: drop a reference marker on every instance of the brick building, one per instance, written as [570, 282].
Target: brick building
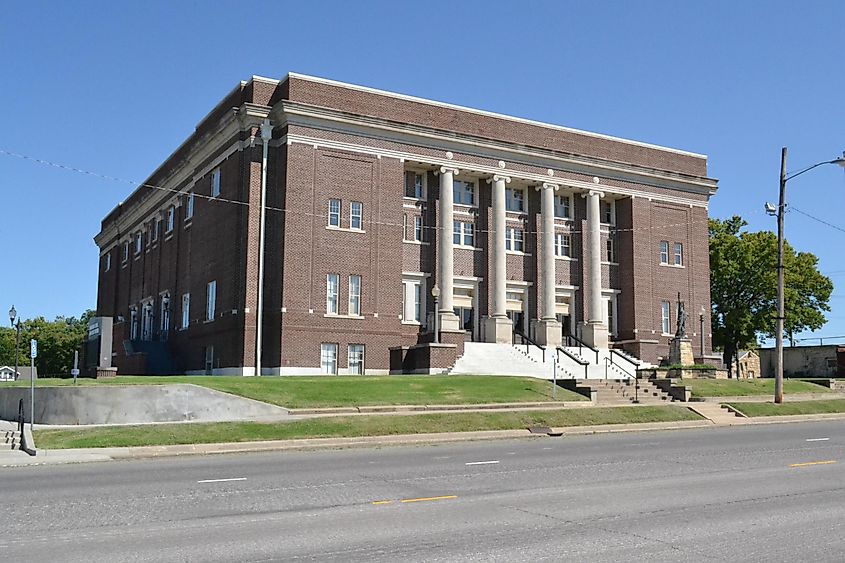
[548, 231]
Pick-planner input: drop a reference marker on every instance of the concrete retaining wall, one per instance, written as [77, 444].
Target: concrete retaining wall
[133, 404]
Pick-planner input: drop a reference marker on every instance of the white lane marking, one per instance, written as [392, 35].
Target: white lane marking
[482, 462]
[222, 480]
[818, 439]
[546, 448]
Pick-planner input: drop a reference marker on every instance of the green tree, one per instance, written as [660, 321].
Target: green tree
[743, 287]
[57, 341]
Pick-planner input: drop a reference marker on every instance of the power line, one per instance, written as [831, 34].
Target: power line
[822, 221]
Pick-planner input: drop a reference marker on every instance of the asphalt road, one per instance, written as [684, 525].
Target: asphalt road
[718, 494]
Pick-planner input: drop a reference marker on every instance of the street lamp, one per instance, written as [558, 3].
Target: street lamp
[771, 210]
[13, 314]
[701, 330]
[435, 292]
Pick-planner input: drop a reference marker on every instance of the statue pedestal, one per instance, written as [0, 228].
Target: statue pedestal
[680, 351]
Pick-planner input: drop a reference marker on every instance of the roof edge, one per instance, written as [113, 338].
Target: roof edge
[485, 113]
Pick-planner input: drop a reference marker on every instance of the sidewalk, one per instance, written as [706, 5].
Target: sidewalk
[56, 457]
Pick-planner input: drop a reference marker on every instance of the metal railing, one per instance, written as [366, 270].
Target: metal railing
[583, 363]
[527, 341]
[627, 359]
[20, 417]
[580, 344]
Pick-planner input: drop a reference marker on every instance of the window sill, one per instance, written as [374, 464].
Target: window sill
[564, 219]
[188, 222]
[517, 253]
[467, 247]
[345, 229]
[417, 199]
[355, 317]
[412, 323]
[418, 242]
[515, 212]
[566, 258]
[464, 208]
[206, 321]
[678, 266]
[606, 263]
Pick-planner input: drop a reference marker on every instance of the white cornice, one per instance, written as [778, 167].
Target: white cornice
[534, 178]
[321, 118]
[186, 173]
[489, 114]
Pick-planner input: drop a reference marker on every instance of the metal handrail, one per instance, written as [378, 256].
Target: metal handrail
[20, 416]
[528, 341]
[581, 344]
[629, 360]
[607, 362]
[584, 363]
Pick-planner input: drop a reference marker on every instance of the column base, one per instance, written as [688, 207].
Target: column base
[498, 330]
[449, 322]
[595, 334]
[680, 352]
[548, 332]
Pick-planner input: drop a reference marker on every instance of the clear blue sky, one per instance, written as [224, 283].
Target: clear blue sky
[115, 87]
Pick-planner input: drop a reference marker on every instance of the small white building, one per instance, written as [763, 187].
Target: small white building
[24, 373]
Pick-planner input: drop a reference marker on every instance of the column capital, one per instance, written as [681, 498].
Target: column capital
[592, 193]
[445, 169]
[548, 186]
[499, 177]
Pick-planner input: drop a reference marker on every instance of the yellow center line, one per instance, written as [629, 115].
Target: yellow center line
[808, 463]
[428, 498]
[381, 502]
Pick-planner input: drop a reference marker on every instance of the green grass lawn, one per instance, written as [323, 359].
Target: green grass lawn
[742, 387]
[349, 426]
[797, 407]
[315, 392]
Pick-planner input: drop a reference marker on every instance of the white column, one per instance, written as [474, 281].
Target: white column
[596, 331]
[445, 255]
[547, 213]
[548, 329]
[499, 269]
[498, 327]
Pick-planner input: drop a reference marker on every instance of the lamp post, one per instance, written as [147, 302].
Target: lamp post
[435, 292]
[13, 314]
[771, 210]
[701, 330]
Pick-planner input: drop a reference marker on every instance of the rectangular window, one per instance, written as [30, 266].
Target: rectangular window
[139, 242]
[356, 359]
[334, 213]
[514, 239]
[611, 250]
[133, 324]
[412, 301]
[215, 183]
[186, 310]
[355, 296]
[126, 251]
[563, 245]
[211, 300]
[171, 219]
[328, 358]
[464, 234]
[465, 316]
[189, 206]
[563, 206]
[332, 281]
[414, 185]
[418, 228]
[514, 199]
[610, 314]
[664, 252]
[108, 262]
[664, 317]
[156, 227]
[463, 192]
[679, 254]
[356, 214]
[608, 212]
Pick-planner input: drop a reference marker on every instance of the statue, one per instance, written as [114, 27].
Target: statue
[682, 319]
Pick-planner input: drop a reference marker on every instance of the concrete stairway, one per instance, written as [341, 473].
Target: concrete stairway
[11, 437]
[611, 392]
[481, 358]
